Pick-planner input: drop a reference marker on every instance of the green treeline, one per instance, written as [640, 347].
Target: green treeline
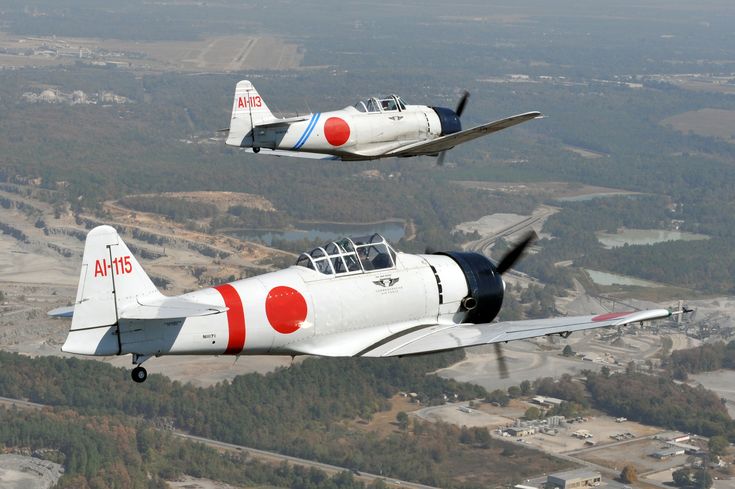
[660, 401]
[705, 358]
[174, 208]
[296, 411]
[110, 452]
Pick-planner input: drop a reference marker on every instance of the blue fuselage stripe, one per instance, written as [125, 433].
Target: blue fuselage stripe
[308, 131]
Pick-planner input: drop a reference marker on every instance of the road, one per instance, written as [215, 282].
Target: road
[483, 245]
[267, 456]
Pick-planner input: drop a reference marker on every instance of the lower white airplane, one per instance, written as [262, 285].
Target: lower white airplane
[371, 129]
[351, 298]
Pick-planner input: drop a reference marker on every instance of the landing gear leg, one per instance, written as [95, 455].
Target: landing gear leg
[139, 374]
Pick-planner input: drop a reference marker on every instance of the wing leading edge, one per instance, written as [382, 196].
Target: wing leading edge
[441, 337]
[447, 142]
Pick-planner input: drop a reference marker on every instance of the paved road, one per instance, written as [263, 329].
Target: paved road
[20, 404]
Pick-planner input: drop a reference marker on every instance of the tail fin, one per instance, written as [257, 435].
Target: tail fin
[248, 110]
[111, 281]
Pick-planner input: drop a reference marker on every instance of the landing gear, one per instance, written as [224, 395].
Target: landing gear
[256, 149]
[139, 374]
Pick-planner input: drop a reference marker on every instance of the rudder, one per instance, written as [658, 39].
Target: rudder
[248, 110]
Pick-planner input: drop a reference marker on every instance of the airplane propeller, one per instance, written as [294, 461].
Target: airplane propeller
[505, 264]
[460, 108]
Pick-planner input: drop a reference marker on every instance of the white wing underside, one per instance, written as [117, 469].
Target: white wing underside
[437, 337]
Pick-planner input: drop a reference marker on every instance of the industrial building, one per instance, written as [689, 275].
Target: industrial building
[573, 479]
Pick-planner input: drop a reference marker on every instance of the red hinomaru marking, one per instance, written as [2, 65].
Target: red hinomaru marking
[610, 315]
[235, 318]
[337, 131]
[286, 309]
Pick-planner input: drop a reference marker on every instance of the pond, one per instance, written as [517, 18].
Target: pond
[606, 278]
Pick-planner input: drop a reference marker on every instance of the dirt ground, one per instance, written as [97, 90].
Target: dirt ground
[21, 472]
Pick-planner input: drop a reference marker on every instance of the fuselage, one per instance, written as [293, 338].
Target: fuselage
[334, 290]
[357, 132]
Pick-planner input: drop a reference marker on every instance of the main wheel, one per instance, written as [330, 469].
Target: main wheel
[256, 150]
[139, 374]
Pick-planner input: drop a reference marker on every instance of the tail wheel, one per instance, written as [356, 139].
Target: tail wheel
[139, 374]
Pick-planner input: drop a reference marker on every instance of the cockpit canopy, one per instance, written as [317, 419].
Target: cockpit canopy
[350, 255]
[386, 104]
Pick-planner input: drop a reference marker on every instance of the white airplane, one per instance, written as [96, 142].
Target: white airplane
[351, 298]
[371, 129]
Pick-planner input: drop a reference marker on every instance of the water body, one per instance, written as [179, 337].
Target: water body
[645, 237]
[393, 231]
[605, 278]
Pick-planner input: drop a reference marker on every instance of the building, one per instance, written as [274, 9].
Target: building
[520, 431]
[547, 402]
[667, 453]
[573, 479]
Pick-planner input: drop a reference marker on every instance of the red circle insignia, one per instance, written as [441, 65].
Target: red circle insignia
[285, 308]
[337, 131]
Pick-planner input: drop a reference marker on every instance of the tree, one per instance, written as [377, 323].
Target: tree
[605, 371]
[532, 413]
[514, 392]
[402, 420]
[718, 445]
[702, 479]
[498, 396]
[629, 474]
[525, 387]
[567, 351]
[681, 477]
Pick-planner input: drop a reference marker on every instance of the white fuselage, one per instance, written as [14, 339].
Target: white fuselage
[271, 313]
[349, 133]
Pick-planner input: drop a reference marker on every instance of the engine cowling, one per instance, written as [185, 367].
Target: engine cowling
[484, 284]
[448, 119]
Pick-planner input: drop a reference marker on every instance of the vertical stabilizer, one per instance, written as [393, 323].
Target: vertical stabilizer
[248, 110]
[111, 280]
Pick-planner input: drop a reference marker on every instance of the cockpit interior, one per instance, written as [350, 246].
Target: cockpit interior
[391, 103]
[350, 256]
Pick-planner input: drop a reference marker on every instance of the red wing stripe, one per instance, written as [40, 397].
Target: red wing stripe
[235, 318]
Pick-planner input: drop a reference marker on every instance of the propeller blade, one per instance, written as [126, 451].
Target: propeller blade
[462, 103]
[502, 365]
[440, 158]
[513, 255]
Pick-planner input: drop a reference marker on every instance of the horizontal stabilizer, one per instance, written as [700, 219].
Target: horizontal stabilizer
[283, 122]
[62, 312]
[163, 307]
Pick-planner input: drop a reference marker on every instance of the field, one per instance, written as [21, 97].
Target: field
[716, 123]
[212, 54]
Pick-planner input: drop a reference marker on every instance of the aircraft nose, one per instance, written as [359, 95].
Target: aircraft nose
[449, 120]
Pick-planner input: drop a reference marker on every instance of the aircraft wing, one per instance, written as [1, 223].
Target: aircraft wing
[292, 154]
[427, 338]
[447, 142]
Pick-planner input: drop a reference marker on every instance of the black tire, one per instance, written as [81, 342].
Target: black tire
[139, 374]
[256, 150]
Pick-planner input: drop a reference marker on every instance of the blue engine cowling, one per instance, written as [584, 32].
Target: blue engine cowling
[485, 286]
[449, 120]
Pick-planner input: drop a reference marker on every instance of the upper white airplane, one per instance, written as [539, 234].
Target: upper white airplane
[371, 129]
[350, 298]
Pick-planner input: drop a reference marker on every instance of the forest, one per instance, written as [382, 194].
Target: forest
[308, 410]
